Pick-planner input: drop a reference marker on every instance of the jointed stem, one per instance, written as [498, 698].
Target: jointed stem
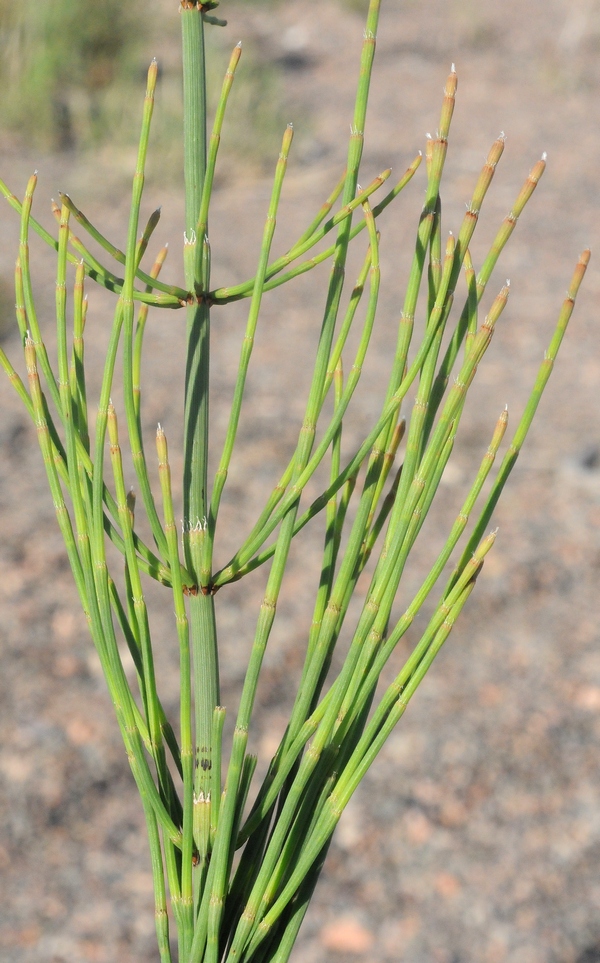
[196, 434]
[247, 346]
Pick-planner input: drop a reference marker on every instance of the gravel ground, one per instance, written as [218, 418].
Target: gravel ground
[476, 835]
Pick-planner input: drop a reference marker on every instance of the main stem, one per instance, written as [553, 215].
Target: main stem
[197, 273]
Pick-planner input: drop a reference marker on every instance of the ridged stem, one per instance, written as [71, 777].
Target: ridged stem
[196, 426]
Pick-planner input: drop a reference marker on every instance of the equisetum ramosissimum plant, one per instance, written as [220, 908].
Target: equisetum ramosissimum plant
[234, 879]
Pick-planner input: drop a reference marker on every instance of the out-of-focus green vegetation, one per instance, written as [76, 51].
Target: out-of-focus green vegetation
[60, 62]
[73, 74]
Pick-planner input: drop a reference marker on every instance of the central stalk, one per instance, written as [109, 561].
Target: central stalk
[196, 434]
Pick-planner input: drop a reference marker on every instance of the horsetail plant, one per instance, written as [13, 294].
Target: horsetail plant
[249, 907]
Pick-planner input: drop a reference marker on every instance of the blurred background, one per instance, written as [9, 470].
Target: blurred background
[476, 835]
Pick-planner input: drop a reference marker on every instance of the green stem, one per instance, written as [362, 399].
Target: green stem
[544, 373]
[247, 345]
[185, 702]
[194, 110]
[149, 279]
[133, 255]
[196, 432]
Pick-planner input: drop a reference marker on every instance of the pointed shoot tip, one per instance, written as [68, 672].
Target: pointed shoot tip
[544, 156]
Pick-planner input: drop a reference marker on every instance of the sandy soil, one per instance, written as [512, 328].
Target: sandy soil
[476, 836]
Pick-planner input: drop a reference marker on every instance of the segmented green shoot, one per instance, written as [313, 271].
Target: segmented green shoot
[247, 345]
